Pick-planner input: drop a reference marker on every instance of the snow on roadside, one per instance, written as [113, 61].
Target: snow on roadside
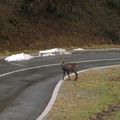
[53, 52]
[43, 53]
[18, 57]
[78, 49]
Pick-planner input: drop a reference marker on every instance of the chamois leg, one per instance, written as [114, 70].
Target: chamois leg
[63, 75]
[68, 75]
[76, 75]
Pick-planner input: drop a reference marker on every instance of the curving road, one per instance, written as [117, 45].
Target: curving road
[26, 87]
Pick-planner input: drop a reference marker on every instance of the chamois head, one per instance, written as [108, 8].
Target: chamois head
[61, 60]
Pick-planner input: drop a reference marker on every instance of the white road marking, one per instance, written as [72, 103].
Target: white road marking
[24, 69]
[56, 90]
[99, 60]
[50, 65]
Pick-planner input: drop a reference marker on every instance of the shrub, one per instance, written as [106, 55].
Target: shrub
[25, 6]
[3, 39]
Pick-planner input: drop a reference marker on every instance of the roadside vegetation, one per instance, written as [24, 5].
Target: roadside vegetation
[95, 96]
[43, 24]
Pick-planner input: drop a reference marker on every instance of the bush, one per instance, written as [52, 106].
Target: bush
[114, 37]
[25, 6]
[114, 4]
[3, 39]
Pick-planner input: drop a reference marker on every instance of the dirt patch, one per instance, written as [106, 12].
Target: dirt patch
[116, 79]
[106, 112]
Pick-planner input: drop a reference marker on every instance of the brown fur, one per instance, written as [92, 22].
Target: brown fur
[69, 67]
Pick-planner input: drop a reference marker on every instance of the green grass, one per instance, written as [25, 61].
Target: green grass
[114, 116]
[91, 94]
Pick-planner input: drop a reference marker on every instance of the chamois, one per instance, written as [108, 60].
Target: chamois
[68, 67]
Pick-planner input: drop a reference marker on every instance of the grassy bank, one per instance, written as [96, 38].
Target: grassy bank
[44, 24]
[96, 95]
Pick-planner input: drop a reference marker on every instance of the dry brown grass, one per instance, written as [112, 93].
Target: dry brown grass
[93, 25]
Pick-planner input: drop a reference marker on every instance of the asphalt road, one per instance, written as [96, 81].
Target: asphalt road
[26, 87]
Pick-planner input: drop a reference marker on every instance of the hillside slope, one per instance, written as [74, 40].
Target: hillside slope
[40, 24]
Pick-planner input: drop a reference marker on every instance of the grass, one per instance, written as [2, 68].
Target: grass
[114, 116]
[8, 53]
[91, 94]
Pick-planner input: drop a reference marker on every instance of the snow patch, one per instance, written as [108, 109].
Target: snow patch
[53, 52]
[78, 49]
[43, 53]
[18, 57]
